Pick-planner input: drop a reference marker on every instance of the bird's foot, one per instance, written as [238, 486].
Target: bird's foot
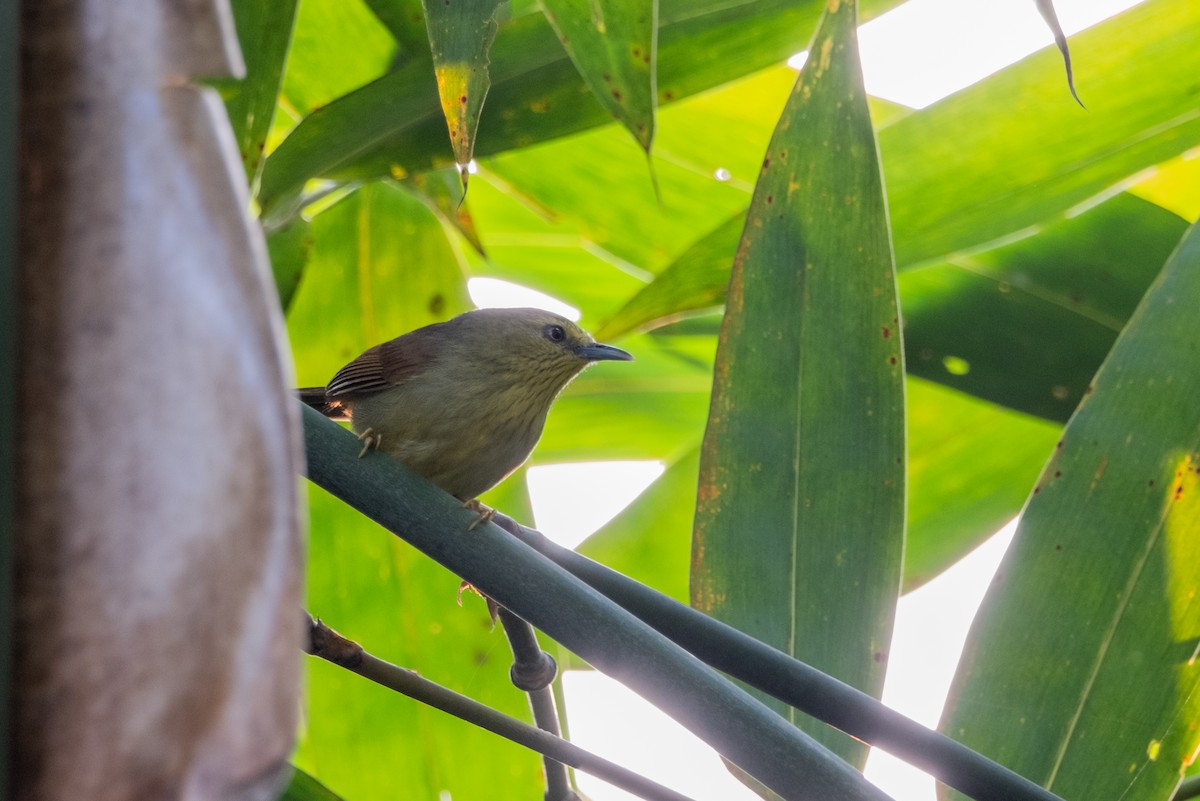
[369, 440]
[486, 513]
[492, 607]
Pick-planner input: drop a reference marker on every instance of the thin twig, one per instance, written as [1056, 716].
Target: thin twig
[327, 644]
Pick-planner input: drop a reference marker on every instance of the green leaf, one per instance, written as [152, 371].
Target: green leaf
[970, 466]
[303, 787]
[651, 408]
[612, 44]
[1080, 671]
[442, 190]
[694, 282]
[289, 249]
[337, 47]
[460, 36]
[800, 518]
[406, 21]
[381, 265]
[1012, 151]
[394, 126]
[1027, 325]
[265, 31]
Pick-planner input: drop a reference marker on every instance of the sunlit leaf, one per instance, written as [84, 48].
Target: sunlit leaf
[395, 126]
[337, 47]
[460, 38]
[1080, 671]
[1013, 151]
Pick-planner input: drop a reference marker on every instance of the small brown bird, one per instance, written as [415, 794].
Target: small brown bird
[462, 402]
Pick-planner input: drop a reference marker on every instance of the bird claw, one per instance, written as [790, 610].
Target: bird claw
[369, 440]
[486, 513]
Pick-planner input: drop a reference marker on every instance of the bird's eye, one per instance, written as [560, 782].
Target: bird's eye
[555, 333]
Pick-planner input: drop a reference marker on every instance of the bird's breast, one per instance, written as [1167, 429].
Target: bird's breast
[465, 444]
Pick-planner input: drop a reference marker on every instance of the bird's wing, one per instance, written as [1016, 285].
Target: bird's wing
[386, 365]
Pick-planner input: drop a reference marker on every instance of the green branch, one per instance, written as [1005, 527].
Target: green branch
[739, 727]
[793, 682]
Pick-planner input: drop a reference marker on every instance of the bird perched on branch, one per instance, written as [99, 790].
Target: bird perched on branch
[462, 402]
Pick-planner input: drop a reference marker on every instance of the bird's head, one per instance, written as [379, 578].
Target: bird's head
[535, 341]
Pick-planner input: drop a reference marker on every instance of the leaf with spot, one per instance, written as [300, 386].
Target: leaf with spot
[394, 125]
[800, 518]
[613, 43]
[1081, 669]
[460, 36]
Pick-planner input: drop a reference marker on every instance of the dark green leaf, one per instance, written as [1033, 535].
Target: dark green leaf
[289, 249]
[800, 518]
[1080, 671]
[1027, 325]
[612, 43]
[303, 787]
[265, 31]
[970, 466]
[406, 20]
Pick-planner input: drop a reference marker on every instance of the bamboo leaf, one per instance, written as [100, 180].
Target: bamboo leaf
[650, 540]
[1011, 152]
[1025, 325]
[612, 43]
[1080, 671]
[799, 524]
[394, 126]
[265, 32]
[338, 46]
[303, 787]
[460, 37]
[289, 248]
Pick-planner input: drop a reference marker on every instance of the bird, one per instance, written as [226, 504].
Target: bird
[462, 402]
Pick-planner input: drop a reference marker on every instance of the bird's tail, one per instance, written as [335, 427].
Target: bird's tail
[315, 397]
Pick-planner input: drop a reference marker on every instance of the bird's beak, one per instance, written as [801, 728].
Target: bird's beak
[596, 352]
